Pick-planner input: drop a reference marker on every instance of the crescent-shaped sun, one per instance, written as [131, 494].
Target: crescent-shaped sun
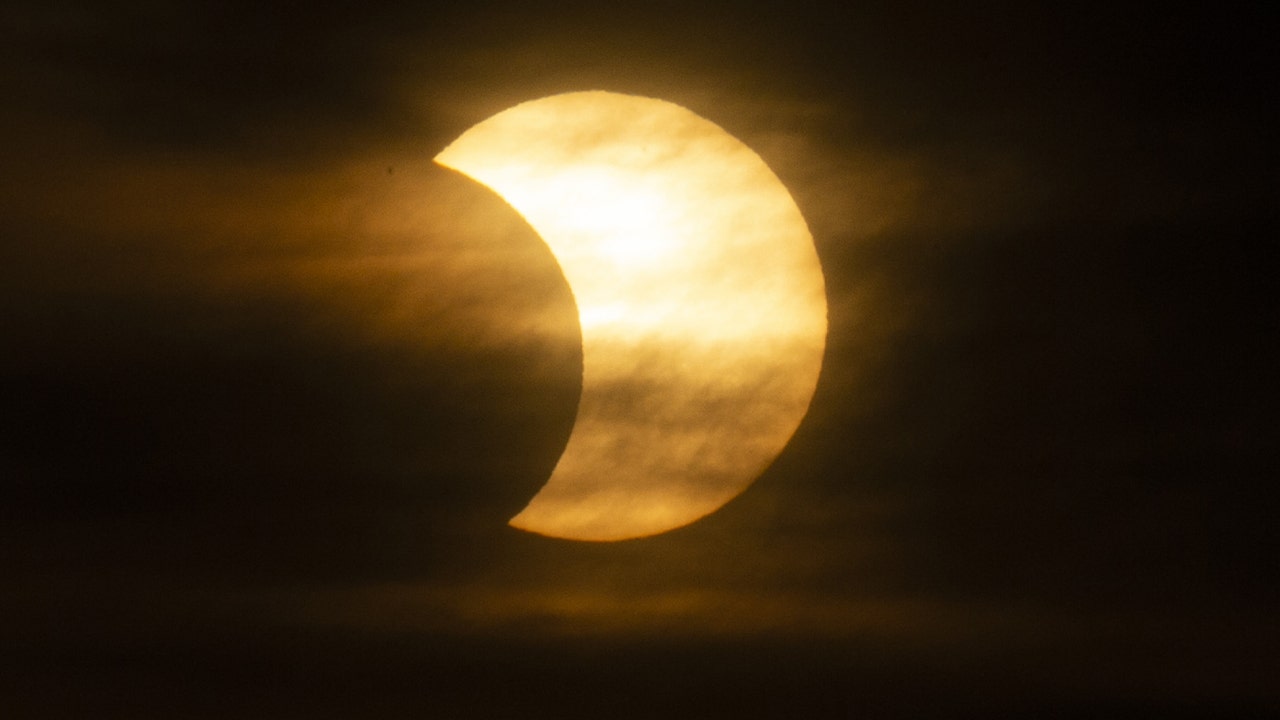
[700, 298]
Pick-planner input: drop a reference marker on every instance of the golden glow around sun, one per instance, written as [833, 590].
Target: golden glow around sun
[699, 293]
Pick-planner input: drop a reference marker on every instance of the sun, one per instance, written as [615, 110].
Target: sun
[700, 297]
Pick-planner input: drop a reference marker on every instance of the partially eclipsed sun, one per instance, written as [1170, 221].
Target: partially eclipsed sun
[699, 295]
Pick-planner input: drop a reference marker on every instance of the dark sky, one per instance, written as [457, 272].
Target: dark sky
[272, 383]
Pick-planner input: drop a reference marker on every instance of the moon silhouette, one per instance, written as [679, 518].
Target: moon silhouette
[700, 298]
